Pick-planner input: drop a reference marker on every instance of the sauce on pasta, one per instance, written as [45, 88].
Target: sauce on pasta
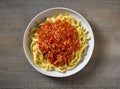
[58, 41]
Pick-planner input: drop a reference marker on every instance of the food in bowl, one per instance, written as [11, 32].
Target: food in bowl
[59, 43]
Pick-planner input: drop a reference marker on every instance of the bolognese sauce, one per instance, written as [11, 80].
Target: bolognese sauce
[58, 41]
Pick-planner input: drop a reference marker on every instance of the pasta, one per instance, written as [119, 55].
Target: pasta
[77, 56]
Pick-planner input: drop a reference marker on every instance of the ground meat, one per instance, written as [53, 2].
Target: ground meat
[58, 41]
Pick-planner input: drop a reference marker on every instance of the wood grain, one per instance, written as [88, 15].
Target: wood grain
[103, 70]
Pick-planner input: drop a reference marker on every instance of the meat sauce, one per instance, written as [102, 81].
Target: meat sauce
[58, 41]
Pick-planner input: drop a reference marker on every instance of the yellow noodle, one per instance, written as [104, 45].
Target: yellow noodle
[78, 56]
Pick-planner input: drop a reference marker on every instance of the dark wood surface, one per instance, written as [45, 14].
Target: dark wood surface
[103, 70]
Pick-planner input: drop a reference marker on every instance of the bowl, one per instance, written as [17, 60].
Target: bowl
[41, 17]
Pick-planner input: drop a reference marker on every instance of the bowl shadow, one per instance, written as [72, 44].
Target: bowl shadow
[89, 71]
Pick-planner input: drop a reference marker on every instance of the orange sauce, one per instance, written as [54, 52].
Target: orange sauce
[58, 41]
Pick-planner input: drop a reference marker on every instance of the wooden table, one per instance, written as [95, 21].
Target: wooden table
[103, 70]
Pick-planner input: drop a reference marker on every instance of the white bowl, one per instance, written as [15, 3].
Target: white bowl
[41, 17]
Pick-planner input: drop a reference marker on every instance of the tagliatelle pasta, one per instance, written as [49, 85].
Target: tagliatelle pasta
[39, 55]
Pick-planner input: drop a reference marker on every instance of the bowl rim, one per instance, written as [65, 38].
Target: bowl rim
[53, 8]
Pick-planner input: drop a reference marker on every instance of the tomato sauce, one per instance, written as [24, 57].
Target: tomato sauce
[58, 41]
